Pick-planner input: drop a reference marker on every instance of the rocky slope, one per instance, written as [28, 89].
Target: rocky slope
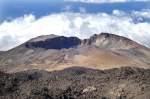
[77, 83]
[51, 52]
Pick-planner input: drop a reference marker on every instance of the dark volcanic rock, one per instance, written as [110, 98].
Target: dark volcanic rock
[55, 43]
[77, 83]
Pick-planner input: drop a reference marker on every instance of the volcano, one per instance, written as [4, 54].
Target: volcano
[52, 52]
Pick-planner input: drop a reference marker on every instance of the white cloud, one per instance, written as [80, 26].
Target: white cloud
[105, 1]
[145, 13]
[82, 25]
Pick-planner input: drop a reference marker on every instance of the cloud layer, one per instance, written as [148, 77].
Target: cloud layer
[83, 25]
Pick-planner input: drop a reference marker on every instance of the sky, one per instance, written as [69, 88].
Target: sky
[21, 20]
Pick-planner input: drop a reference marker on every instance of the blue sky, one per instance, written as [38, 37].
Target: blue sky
[21, 19]
[16, 8]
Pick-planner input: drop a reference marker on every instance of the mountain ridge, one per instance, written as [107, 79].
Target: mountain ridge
[96, 39]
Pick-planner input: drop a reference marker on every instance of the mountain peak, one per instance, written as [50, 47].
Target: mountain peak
[108, 36]
[110, 41]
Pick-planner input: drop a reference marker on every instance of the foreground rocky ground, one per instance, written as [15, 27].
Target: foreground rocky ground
[77, 83]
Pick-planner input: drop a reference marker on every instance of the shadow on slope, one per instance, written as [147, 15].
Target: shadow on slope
[55, 43]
